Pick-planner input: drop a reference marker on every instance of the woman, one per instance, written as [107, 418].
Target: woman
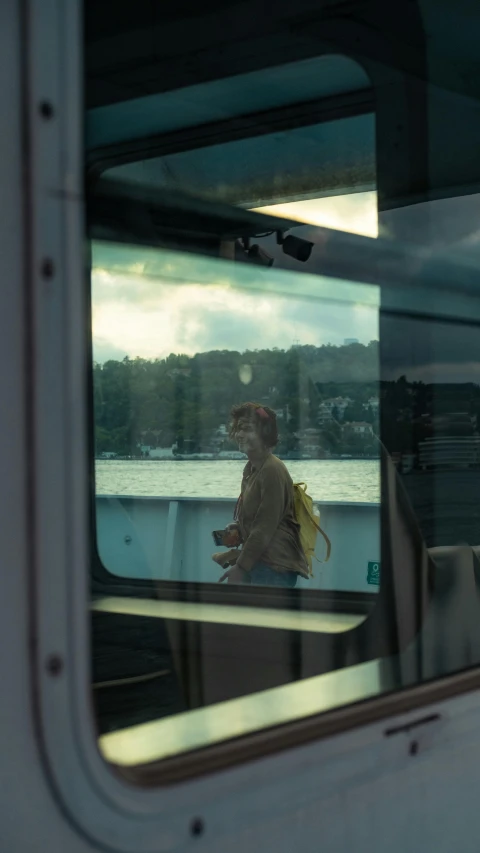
[271, 553]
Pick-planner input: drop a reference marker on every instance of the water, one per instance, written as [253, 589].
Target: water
[327, 480]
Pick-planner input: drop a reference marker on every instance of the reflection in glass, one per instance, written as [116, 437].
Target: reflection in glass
[178, 341]
[272, 538]
[430, 409]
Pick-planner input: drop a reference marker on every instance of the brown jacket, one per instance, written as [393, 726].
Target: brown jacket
[266, 517]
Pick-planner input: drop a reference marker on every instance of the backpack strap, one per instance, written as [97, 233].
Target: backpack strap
[327, 542]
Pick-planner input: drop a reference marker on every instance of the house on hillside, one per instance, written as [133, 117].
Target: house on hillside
[179, 371]
[161, 453]
[373, 404]
[357, 428]
[336, 405]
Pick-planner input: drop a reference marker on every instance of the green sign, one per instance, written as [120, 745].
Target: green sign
[373, 573]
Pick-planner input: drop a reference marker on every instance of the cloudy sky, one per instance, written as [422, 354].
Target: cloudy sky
[150, 303]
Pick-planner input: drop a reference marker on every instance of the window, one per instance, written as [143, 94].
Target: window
[212, 285]
[313, 161]
[178, 340]
[213, 662]
[208, 291]
[431, 402]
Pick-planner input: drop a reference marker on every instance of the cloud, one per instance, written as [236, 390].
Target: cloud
[429, 350]
[145, 316]
[150, 302]
[103, 351]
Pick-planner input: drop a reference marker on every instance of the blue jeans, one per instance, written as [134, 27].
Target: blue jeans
[263, 575]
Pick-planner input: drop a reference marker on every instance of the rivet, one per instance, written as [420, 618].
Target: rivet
[197, 826]
[48, 268]
[46, 110]
[127, 539]
[54, 665]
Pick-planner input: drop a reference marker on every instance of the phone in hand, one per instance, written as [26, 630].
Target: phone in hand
[218, 537]
[230, 537]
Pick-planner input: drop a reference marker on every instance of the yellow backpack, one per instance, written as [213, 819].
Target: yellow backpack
[309, 523]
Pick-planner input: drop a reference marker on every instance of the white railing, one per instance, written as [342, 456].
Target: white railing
[170, 539]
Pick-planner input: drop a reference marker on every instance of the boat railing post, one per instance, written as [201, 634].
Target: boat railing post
[168, 568]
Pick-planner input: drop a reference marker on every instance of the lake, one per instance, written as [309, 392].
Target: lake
[327, 479]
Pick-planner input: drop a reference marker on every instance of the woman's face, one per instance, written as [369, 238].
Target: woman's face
[248, 439]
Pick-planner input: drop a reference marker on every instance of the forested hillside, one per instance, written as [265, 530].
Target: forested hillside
[185, 399]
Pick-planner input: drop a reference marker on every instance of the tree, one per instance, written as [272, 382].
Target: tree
[184, 398]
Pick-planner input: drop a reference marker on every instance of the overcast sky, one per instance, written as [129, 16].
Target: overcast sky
[151, 303]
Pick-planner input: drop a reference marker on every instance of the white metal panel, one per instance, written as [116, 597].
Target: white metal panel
[31, 819]
[171, 539]
[415, 790]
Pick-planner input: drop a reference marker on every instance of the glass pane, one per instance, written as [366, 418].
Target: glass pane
[191, 489]
[440, 223]
[318, 160]
[431, 405]
[375, 398]
[181, 339]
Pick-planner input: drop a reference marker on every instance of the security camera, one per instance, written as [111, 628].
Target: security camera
[297, 248]
[252, 254]
[257, 255]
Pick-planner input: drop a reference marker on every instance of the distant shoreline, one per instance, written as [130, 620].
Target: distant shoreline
[283, 457]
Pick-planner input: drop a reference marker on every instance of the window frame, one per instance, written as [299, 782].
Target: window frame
[248, 126]
[365, 251]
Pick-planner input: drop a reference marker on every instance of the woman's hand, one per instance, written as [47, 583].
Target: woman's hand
[232, 536]
[234, 575]
[222, 557]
